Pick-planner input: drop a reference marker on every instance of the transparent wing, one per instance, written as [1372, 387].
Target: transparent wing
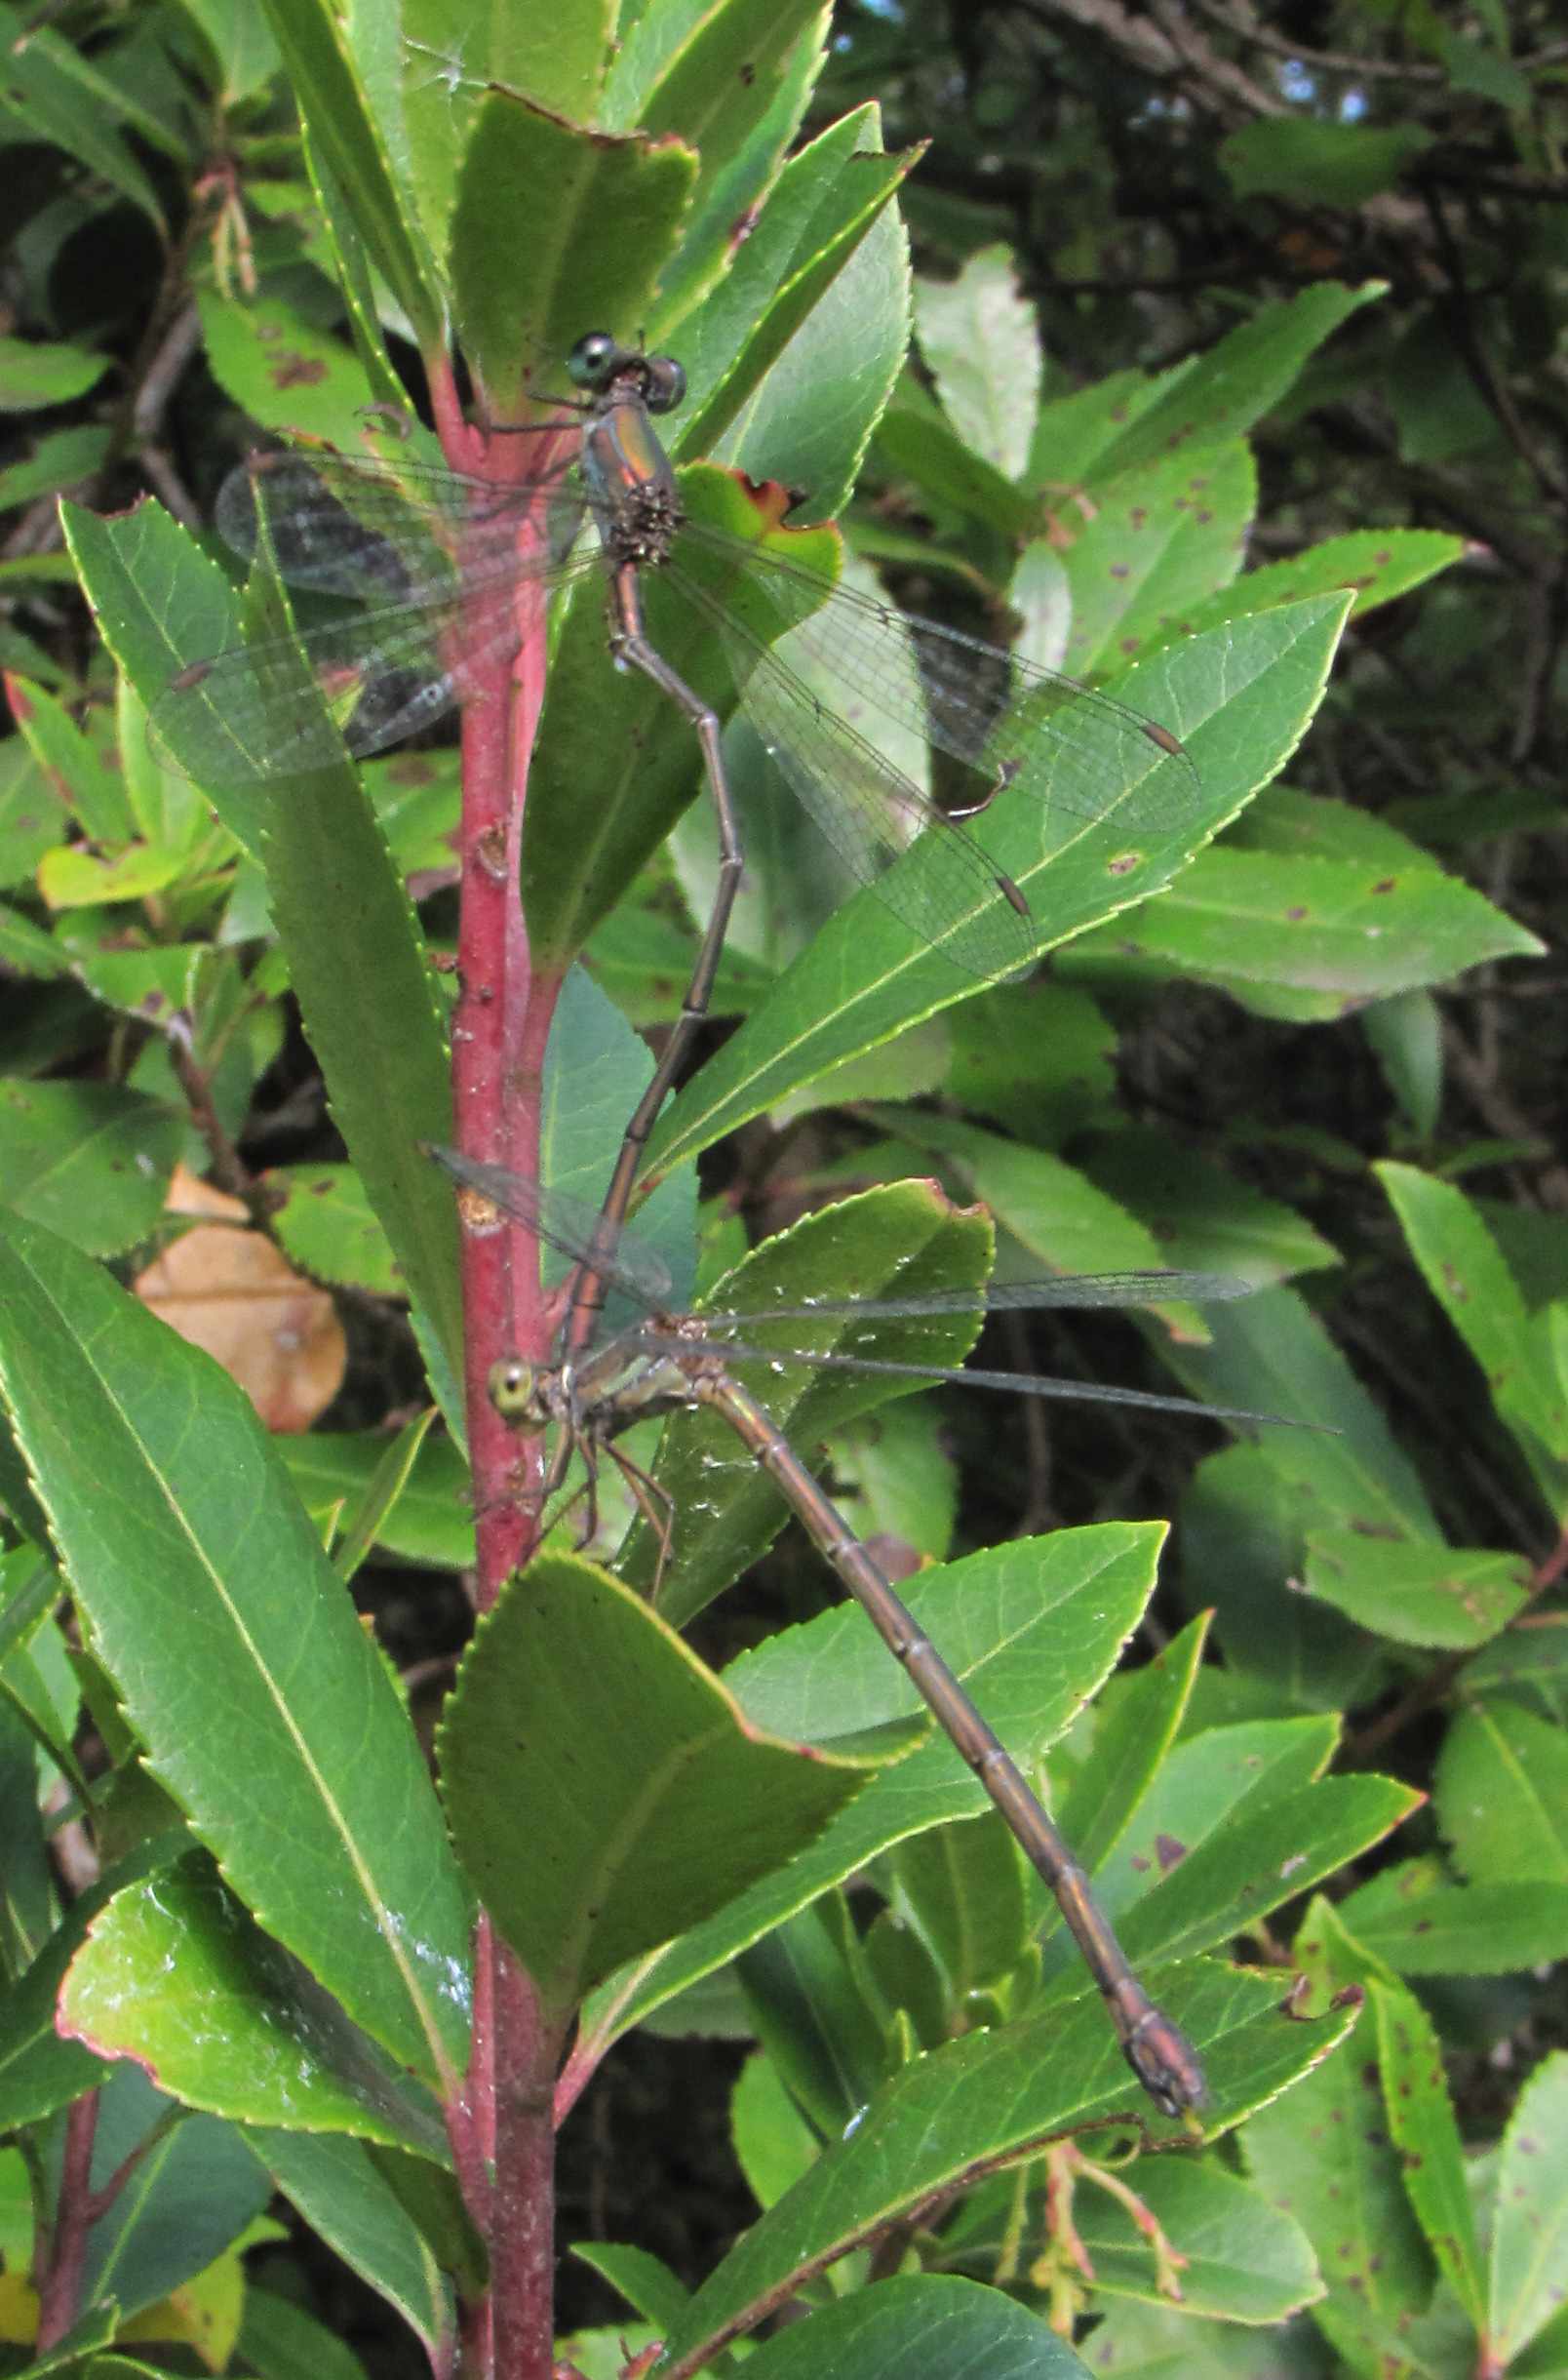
[418, 570]
[286, 704]
[668, 1344]
[568, 1224]
[1002, 726]
[955, 900]
[382, 529]
[1051, 1291]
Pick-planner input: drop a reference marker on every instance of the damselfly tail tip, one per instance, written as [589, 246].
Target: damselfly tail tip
[1166, 2065]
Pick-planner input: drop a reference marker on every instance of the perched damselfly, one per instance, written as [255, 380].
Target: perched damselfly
[436, 573]
[666, 1363]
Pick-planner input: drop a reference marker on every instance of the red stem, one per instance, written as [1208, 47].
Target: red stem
[65, 2260]
[500, 2126]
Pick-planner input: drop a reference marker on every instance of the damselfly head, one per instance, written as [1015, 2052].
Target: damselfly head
[516, 1390]
[597, 361]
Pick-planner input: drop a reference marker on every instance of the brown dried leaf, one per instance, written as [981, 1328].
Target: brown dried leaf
[235, 1293]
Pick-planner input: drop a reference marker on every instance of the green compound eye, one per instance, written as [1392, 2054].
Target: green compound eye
[513, 1391]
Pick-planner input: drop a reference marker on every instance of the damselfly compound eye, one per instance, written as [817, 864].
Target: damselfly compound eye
[514, 1393]
[664, 383]
[592, 359]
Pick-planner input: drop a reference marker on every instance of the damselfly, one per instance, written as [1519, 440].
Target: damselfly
[666, 1362]
[436, 573]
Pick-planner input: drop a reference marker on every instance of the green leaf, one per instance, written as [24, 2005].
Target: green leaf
[1244, 2261]
[735, 185]
[337, 2186]
[772, 2141]
[1502, 1793]
[1429, 387]
[27, 950]
[441, 66]
[980, 2102]
[897, 1242]
[1416, 1594]
[1319, 163]
[1136, 1725]
[815, 2006]
[75, 770]
[196, 2189]
[733, 80]
[244, 55]
[207, 1589]
[1158, 541]
[175, 1974]
[894, 1469]
[1240, 700]
[1271, 1850]
[280, 2341]
[920, 447]
[1062, 1221]
[326, 1225]
[1324, 2153]
[73, 2356]
[357, 966]
[54, 93]
[981, 341]
[1136, 2341]
[1376, 565]
[1405, 1034]
[1241, 378]
[942, 2326]
[32, 817]
[365, 1521]
[642, 2280]
[39, 2070]
[87, 1160]
[1304, 938]
[294, 379]
[57, 460]
[1031, 1629]
[430, 1521]
[1463, 1268]
[1531, 1662]
[1201, 1216]
[811, 421]
[961, 1890]
[1032, 1057]
[159, 602]
[681, 1807]
[1472, 65]
[1076, 432]
[1531, 2236]
[1423, 2129]
[1413, 1923]
[824, 202]
[360, 143]
[1270, 1353]
[525, 165]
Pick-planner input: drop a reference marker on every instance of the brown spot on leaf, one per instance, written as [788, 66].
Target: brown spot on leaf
[296, 372]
